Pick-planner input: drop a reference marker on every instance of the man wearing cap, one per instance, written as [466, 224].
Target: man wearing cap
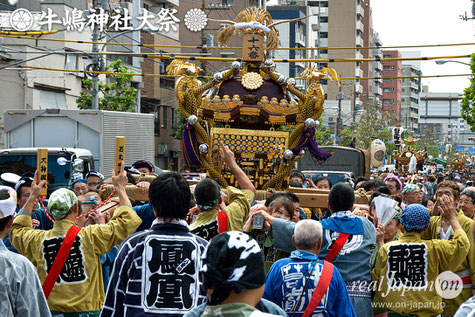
[406, 270]
[79, 286]
[94, 178]
[412, 194]
[212, 220]
[289, 276]
[143, 167]
[21, 293]
[441, 228]
[157, 270]
[393, 183]
[80, 187]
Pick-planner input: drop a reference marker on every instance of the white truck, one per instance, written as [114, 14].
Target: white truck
[93, 130]
[64, 164]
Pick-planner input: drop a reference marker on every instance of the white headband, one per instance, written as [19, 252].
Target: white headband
[8, 206]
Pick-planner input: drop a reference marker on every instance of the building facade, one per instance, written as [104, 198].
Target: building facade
[391, 95]
[410, 89]
[23, 88]
[439, 113]
[293, 34]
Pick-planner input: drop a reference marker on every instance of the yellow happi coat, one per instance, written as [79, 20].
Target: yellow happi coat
[81, 288]
[420, 261]
[466, 268]
[206, 224]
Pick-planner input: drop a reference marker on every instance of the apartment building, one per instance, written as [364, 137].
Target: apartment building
[391, 87]
[410, 89]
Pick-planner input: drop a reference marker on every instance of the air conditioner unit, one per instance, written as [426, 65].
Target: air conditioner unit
[162, 149]
[331, 119]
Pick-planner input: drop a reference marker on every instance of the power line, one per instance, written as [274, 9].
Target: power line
[170, 76]
[295, 60]
[236, 48]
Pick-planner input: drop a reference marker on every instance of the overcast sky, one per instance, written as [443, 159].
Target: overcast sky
[419, 22]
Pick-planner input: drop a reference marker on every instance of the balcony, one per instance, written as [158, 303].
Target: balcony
[377, 91]
[167, 2]
[359, 26]
[377, 65]
[323, 42]
[300, 39]
[377, 53]
[359, 12]
[323, 27]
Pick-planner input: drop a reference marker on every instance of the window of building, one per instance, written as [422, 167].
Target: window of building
[388, 56]
[388, 89]
[166, 82]
[52, 99]
[390, 67]
[324, 35]
[323, 51]
[157, 121]
[403, 90]
[165, 117]
[402, 100]
[388, 79]
[388, 101]
[71, 63]
[323, 19]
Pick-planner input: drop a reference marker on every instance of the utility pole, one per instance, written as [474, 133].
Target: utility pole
[203, 41]
[95, 63]
[341, 95]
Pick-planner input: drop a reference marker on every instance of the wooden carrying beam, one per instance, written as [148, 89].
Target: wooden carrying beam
[132, 191]
[297, 190]
[313, 200]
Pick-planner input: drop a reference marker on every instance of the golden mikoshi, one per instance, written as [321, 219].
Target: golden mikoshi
[249, 101]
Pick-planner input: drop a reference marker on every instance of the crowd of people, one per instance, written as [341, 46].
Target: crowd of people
[203, 250]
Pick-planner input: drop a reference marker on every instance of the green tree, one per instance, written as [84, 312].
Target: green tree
[428, 142]
[117, 95]
[372, 125]
[323, 134]
[346, 136]
[468, 101]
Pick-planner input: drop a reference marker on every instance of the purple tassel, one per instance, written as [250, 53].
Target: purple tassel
[308, 141]
[191, 146]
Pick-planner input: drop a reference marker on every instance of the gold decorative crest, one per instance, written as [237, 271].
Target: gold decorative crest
[252, 80]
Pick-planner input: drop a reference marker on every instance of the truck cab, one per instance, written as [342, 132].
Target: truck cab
[64, 164]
